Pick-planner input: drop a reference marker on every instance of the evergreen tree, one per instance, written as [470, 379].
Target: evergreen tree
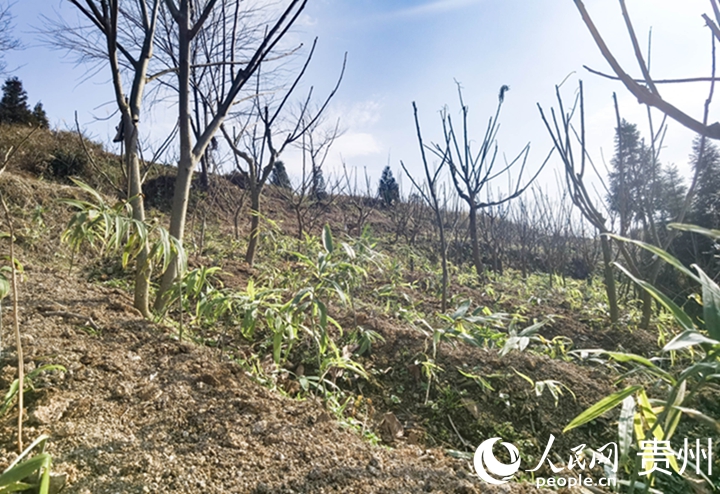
[14, 107]
[636, 180]
[388, 189]
[704, 211]
[672, 196]
[40, 117]
[279, 176]
[706, 206]
[318, 184]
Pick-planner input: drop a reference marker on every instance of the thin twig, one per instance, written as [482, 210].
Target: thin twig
[656, 81]
[72, 315]
[92, 159]
[462, 439]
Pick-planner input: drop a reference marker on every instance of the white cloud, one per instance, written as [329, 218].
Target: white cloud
[358, 115]
[438, 6]
[356, 144]
[306, 21]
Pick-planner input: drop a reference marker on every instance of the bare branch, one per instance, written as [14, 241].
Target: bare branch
[201, 20]
[643, 94]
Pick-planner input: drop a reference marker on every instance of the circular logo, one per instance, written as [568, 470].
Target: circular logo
[486, 465]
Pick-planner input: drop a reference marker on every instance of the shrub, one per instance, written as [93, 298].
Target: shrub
[68, 163]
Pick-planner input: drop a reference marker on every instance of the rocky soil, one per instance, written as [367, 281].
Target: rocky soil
[138, 411]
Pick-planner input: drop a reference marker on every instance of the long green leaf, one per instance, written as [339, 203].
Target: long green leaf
[680, 316]
[323, 314]
[601, 407]
[660, 253]
[631, 357]
[96, 195]
[327, 239]
[687, 339]
[695, 229]
[4, 287]
[652, 368]
[45, 368]
[15, 487]
[24, 469]
[697, 415]
[711, 304]
[461, 310]
[531, 330]
[625, 425]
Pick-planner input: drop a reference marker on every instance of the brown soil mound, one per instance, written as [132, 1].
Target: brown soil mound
[510, 409]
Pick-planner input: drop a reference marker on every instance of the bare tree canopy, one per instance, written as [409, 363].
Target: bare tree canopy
[258, 149]
[473, 171]
[186, 27]
[7, 40]
[645, 89]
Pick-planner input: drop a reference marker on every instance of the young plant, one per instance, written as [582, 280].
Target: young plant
[430, 370]
[659, 419]
[15, 477]
[479, 328]
[520, 341]
[365, 338]
[554, 387]
[113, 230]
[15, 386]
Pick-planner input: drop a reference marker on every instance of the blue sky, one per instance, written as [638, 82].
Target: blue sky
[405, 51]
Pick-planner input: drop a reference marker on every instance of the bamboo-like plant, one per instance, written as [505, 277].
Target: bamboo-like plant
[114, 230]
[659, 419]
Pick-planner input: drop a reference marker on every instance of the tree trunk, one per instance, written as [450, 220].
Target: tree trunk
[443, 254]
[178, 216]
[646, 297]
[609, 279]
[477, 260]
[299, 216]
[187, 161]
[204, 180]
[254, 224]
[236, 221]
[132, 163]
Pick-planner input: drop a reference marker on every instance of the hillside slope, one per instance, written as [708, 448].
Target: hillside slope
[137, 411]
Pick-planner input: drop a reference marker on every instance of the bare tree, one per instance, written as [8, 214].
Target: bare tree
[456, 221]
[188, 19]
[407, 217]
[315, 146]
[429, 193]
[471, 172]
[494, 227]
[262, 148]
[563, 135]
[585, 248]
[554, 231]
[300, 198]
[645, 89]
[126, 55]
[647, 92]
[360, 200]
[524, 217]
